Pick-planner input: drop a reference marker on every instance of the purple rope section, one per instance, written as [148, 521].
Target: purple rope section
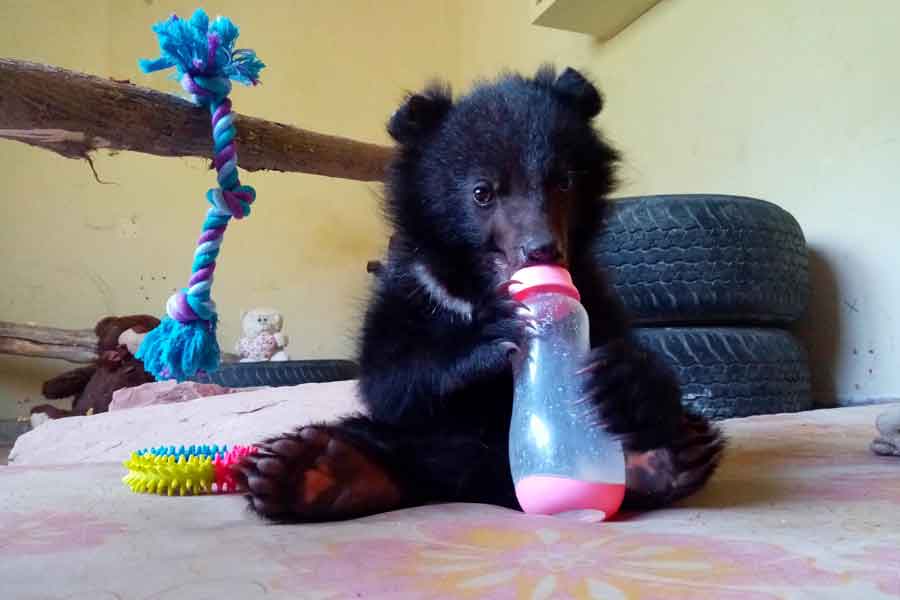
[230, 199]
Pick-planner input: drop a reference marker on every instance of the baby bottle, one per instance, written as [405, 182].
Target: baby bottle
[562, 460]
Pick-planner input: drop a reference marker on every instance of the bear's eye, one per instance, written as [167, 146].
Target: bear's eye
[566, 182]
[483, 194]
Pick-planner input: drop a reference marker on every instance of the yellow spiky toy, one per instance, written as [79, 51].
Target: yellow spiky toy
[190, 471]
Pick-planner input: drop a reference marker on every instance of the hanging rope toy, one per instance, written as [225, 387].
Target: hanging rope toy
[206, 62]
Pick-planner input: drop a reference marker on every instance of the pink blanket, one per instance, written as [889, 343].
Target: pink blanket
[800, 509]
[242, 417]
[166, 392]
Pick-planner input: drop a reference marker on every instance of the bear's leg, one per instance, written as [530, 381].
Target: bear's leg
[661, 476]
[359, 467]
[671, 453]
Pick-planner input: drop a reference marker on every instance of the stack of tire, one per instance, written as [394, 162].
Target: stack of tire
[713, 284]
[280, 373]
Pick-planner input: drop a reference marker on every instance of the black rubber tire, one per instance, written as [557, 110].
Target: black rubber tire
[705, 259]
[734, 372]
[280, 373]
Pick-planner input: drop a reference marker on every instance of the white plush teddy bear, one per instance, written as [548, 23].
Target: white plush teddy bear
[262, 339]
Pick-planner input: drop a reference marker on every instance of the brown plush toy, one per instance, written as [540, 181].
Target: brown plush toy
[115, 368]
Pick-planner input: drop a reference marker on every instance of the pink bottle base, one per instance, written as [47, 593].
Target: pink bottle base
[550, 495]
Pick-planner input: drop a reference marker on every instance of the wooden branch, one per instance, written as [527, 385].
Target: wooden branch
[73, 345]
[73, 114]
[75, 354]
[49, 335]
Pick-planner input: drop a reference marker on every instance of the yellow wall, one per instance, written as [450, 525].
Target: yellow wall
[74, 250]
[794, 101]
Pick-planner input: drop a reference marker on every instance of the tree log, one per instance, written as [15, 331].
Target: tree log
[49, 335]
[75, 354]
[73, 345]
[73, 114]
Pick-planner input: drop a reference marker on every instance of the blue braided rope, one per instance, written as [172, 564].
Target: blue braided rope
[205, 63]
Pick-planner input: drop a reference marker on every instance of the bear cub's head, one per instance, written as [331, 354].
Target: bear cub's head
[500, 178]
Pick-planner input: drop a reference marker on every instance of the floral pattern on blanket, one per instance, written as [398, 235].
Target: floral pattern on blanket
[789, 515]
[881, 564]
[511, 556]
[45, 532]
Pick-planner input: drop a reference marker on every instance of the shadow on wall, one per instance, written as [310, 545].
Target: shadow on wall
[820, 330]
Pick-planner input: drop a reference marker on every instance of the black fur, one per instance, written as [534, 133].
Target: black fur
[435, 376]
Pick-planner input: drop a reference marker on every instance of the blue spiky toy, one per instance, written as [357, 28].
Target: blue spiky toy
[205, 62]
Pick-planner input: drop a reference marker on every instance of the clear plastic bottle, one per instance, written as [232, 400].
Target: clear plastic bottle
[562, 461]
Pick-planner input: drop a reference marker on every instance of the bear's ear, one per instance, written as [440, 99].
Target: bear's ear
[421, 113]
[581, 92]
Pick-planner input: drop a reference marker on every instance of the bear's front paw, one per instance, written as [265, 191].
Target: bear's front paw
[505, 323]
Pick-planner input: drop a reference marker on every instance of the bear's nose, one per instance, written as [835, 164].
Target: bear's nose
[542, 253]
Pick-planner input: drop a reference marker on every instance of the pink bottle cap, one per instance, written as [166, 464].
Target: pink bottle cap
[542, 279]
